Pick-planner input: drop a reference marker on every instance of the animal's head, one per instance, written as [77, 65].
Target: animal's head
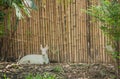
[44, 50]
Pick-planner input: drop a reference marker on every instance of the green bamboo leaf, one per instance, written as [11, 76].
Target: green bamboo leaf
[18, 12]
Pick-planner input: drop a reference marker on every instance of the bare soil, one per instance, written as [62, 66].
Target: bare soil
[63, 70]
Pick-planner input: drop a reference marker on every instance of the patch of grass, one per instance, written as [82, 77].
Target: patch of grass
[5, 77]
[58, 69]
[45, 75]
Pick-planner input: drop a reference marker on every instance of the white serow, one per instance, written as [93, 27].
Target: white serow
[35, 58]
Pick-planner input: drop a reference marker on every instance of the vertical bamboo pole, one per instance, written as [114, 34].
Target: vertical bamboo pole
[88, 30]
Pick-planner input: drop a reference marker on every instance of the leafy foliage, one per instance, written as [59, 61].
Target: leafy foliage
[2, 14]
[58, 69]
[5, 77]
[43, 76]
[108, 14]
[21, 8]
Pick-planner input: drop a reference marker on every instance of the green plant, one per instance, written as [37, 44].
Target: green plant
[108, 13]
[45, 75]
[21, 8]
[5, 77]
[58, 69]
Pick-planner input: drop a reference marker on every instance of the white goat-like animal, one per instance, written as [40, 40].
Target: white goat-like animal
[35, 58]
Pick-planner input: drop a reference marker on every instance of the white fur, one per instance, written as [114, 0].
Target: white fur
[35, 58]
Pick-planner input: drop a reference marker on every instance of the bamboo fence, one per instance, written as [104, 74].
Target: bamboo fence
[65, 28]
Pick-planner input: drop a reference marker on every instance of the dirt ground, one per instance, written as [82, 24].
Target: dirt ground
[63, 70]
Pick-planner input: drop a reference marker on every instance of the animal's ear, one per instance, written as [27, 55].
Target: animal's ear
[41, 46]
[47, 47]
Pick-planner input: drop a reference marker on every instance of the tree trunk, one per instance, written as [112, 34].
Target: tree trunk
[117, 59]
[1, 45]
